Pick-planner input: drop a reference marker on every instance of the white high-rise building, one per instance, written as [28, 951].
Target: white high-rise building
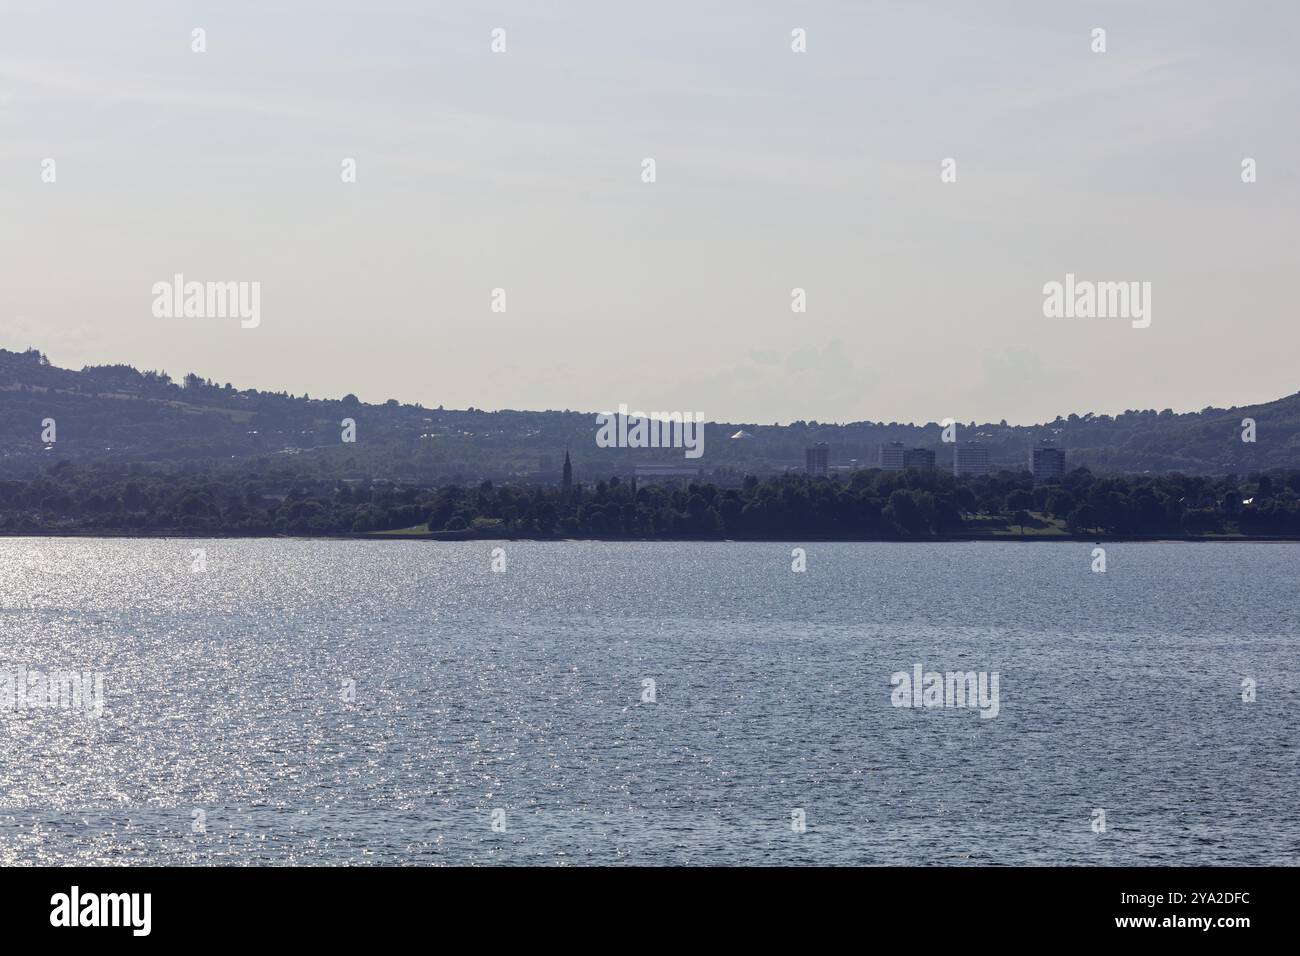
[892, 456]
[817, 460]
[970, 458]
[918, 458]
[1047, 462]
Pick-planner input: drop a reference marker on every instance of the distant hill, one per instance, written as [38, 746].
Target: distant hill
[117, 414]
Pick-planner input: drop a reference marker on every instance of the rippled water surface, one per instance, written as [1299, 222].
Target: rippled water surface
[224, 703]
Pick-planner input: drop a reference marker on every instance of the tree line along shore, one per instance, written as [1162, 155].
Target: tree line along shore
[920, 504]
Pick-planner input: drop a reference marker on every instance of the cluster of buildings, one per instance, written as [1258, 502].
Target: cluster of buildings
[894, 457]
[1046, 461]
[968, 458]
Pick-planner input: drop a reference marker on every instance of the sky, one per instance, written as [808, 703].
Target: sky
[775, 170]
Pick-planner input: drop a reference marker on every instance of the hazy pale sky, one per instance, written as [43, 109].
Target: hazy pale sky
[775, 170]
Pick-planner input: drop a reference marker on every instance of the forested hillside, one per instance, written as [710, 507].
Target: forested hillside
[118, 414]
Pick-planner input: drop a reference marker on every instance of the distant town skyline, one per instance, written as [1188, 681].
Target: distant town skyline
[388, 180]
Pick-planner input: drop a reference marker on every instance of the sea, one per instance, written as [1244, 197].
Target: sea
[364, 702]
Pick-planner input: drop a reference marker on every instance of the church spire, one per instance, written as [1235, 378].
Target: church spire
[566, 483]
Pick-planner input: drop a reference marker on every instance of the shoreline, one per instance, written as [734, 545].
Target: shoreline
[460, 536]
